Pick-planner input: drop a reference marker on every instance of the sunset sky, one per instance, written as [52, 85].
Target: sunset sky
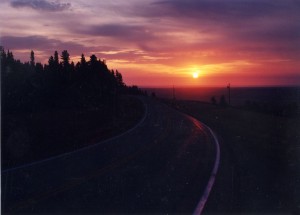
[164, 42]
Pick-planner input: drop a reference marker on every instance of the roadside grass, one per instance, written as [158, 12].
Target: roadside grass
[28, 137]
[260, 159]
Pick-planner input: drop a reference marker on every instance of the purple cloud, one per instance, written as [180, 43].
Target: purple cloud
[223, 11]
[43, 5]
[120, 31]
[37, 42]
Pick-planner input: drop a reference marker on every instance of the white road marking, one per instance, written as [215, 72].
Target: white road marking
[202, 202]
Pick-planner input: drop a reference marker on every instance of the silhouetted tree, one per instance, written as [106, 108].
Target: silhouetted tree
[93, 60]
[10, 58]
[77, 68]
[81, 67]
[32, 60]
[119, 79]
[65, 56]
[82, 60]
[86, 83]
[3, 58]
[52, 74]
[51, 61]
[55, 69]
[56, 65]
[56, 60]
[72, 66]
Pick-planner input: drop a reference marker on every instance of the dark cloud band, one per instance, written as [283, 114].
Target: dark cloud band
[121, 32]
[43, 5]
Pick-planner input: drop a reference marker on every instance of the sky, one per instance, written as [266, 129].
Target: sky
[161, 43]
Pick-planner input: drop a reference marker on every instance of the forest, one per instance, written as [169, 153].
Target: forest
[61, 106]
[32, 86]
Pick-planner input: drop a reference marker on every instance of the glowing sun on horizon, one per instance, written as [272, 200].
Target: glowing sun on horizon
[196, 74]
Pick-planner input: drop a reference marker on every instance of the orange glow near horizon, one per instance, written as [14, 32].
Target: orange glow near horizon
[152, 72]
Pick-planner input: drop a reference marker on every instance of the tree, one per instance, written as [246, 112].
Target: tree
[78, 66]
[93, 60]
[56, 60]
[81, 66]
[56, 66]
[32, 61]
[93, 63]
[3, 58]
[10, 57]
[51, 61]
[65, 64]
[72, 67]
[65, 56]
[82, 60]
[119, 79]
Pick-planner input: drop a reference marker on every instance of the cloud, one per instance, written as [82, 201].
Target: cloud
[44, 5]
[46, 47]
[220, 16]
[37, 42]
[120, 31]
[276, 34]
[259, 25]
[217, 10]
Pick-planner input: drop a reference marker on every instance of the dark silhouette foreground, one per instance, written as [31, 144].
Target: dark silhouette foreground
[61, 106]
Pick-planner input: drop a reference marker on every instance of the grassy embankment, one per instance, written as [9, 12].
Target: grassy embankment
[28, 137]
[260, 162]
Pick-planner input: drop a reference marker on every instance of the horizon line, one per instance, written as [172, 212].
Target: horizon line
[217, 86]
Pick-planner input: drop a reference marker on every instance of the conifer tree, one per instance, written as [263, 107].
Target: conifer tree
[51, 61]
[65, 56]
[56, 60]
[32, 60]
[82, 60]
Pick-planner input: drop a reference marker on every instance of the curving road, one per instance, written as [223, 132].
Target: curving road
[166, 164]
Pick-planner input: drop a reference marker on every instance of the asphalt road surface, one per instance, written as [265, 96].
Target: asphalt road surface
[163, 165]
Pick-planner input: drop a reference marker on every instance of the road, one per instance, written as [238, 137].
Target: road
[166, 164]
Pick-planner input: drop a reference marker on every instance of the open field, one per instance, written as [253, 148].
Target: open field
[260, 162]
[28, 137]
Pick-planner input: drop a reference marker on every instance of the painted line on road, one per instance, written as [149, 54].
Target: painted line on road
[82, 149]
[211, 181]
[203, 200]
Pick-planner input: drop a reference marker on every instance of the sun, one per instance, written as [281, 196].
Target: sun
[196, 74]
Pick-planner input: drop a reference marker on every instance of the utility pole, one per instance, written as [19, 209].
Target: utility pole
[228, 87]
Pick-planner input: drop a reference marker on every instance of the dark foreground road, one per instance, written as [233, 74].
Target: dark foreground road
[161, 166]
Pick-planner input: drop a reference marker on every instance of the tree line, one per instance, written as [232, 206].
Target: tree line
[32, 86]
